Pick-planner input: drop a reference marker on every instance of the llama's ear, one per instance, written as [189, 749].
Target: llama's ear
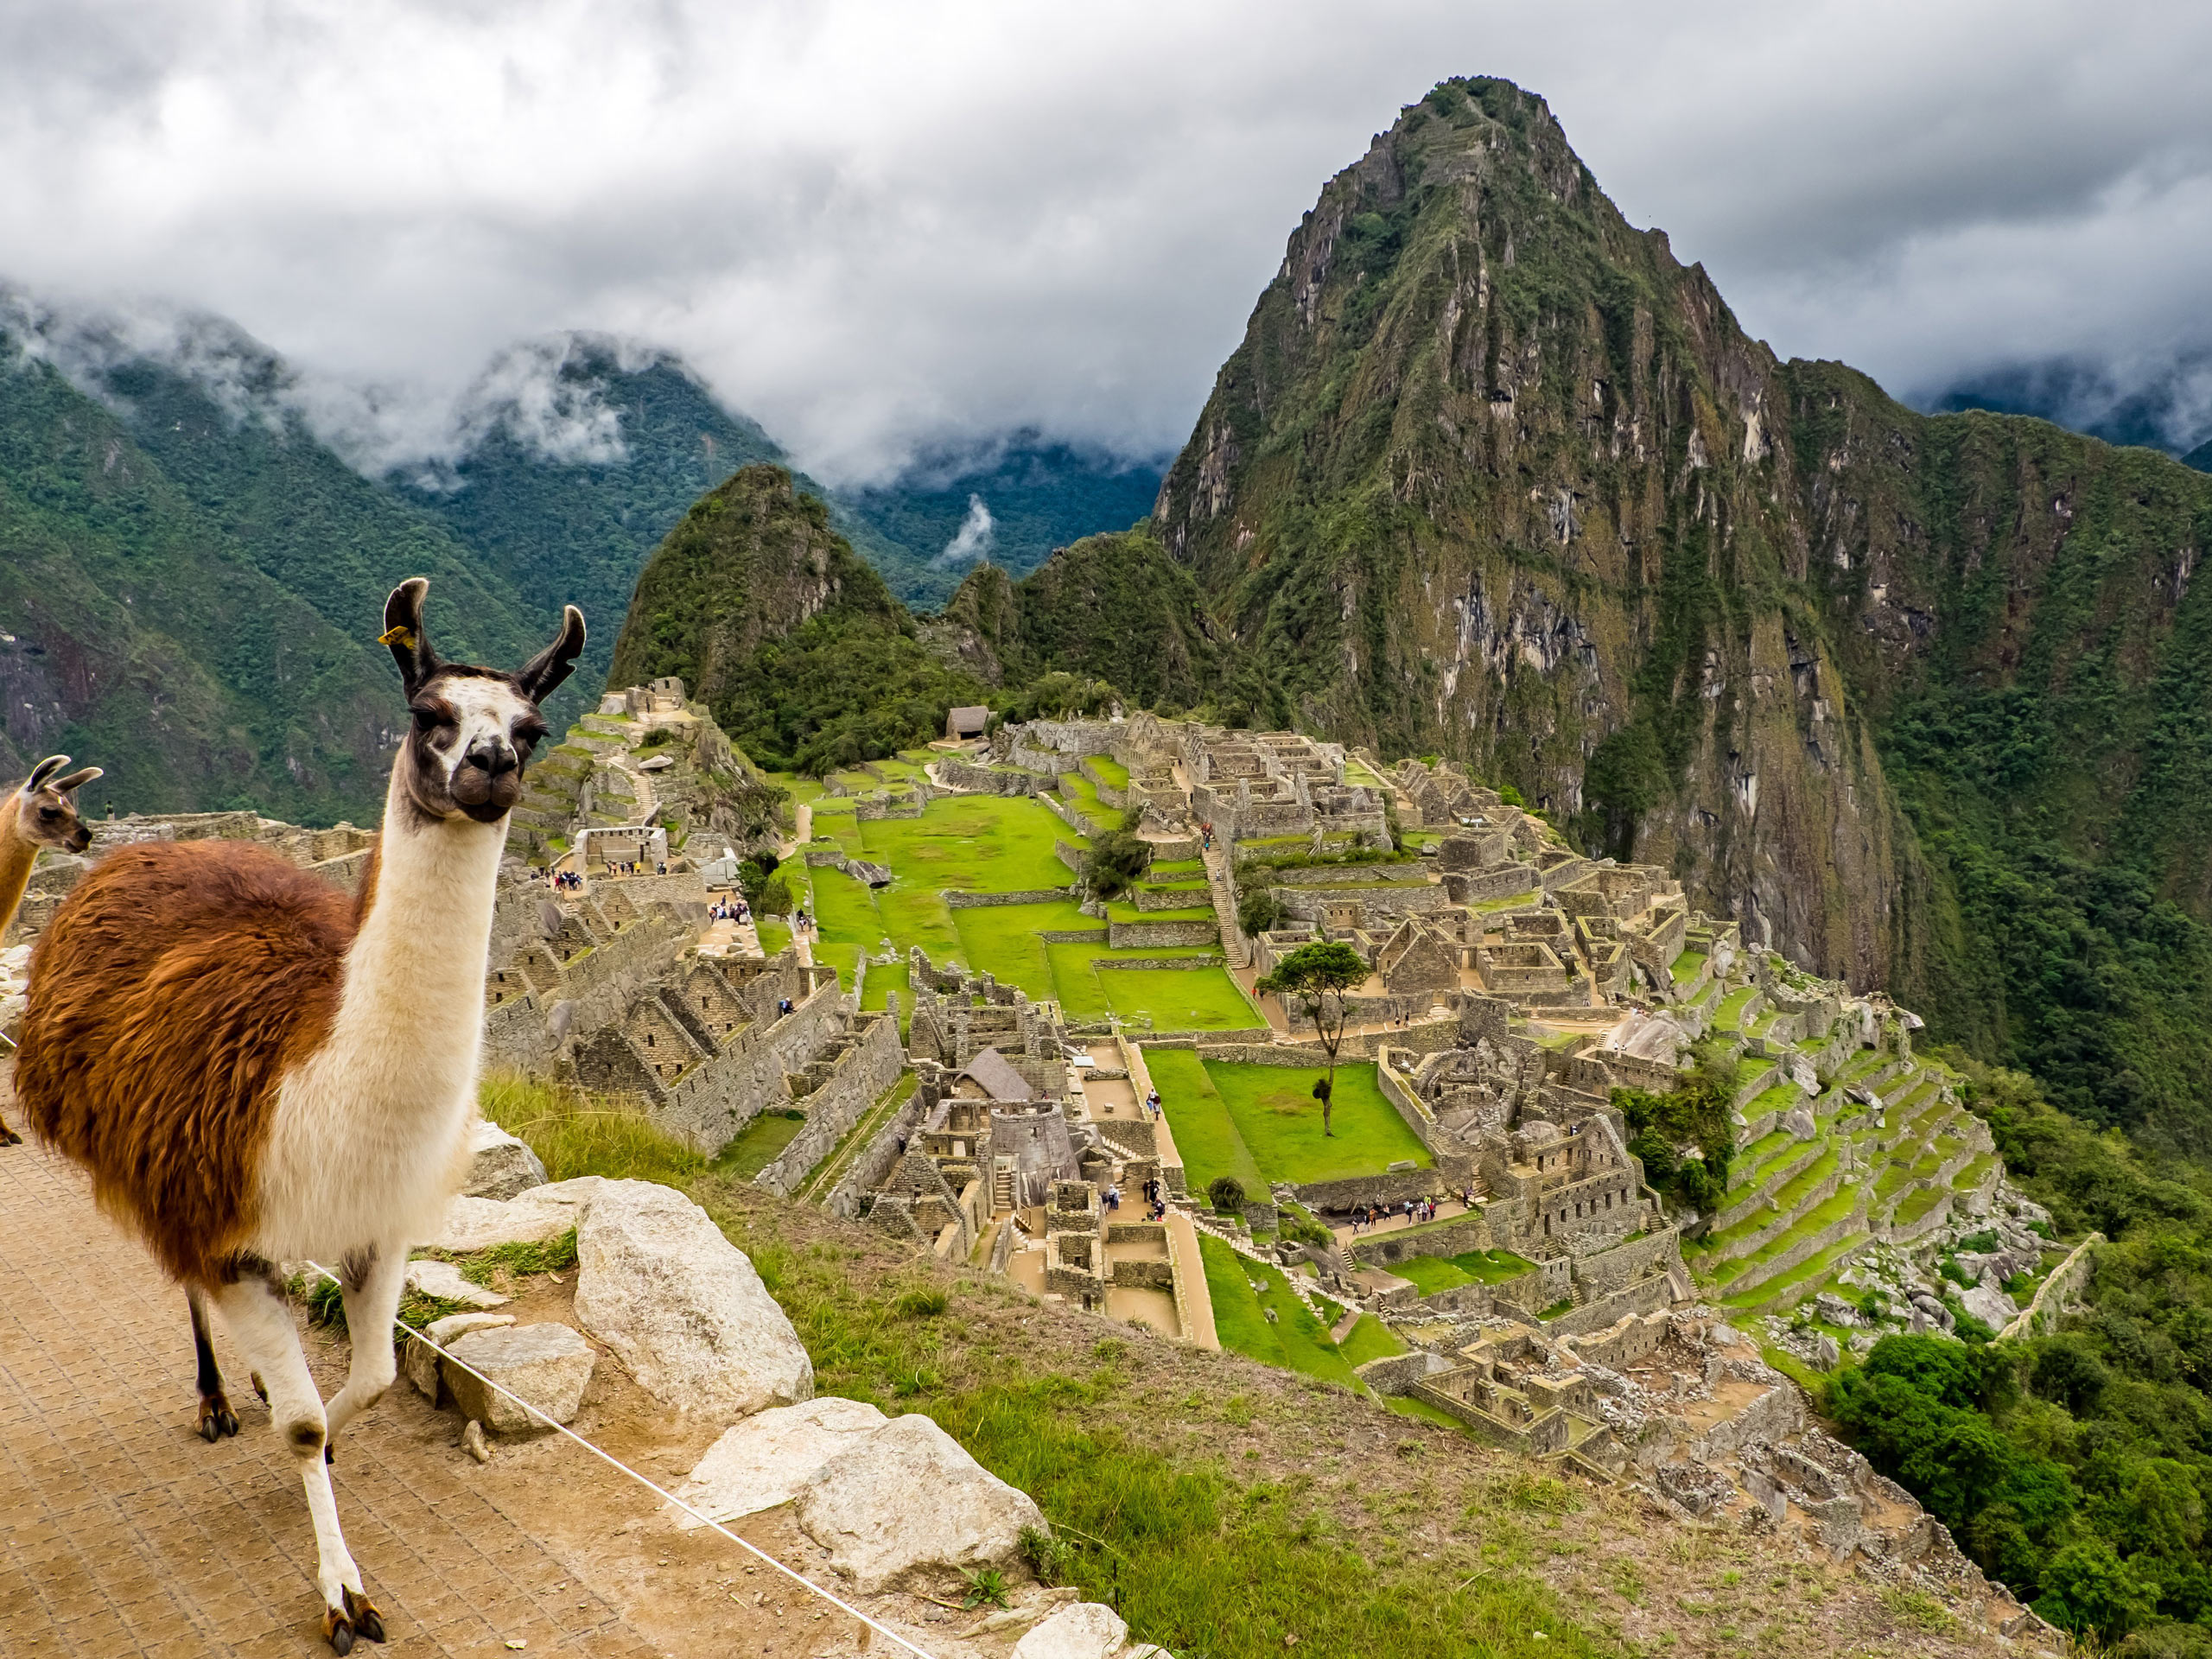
[44, 770]
[542, 673]
[76, 781]
[403, 632]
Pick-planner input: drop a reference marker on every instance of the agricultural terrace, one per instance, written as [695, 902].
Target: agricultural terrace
[985, 843]
[1261, 1124]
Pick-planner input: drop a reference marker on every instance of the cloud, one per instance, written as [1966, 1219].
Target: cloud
[972, 543]
[885, 228]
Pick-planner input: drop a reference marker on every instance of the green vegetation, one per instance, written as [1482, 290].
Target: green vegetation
[1698, 1114]
[758, 1144]
[1116, 860]
[1435, 1273]
[575, 1133]
[1319, 976]
[1294, 1339]
[1260, 1123]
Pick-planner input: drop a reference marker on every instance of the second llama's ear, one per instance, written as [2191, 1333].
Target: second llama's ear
[542, 673]
[403, 632]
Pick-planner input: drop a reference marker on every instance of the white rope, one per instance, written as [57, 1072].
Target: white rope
[797, 1577]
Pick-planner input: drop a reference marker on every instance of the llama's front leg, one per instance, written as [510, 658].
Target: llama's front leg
[216, 1417]
[371, 1280]
[8, 1136]
[260, 1322]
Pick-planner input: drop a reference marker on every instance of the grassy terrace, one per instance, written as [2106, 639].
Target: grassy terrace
[1435, 1273]
[1168, 869]
[1110, 771]
[1120, 910]
[822, 1179]
[1731, 1011]
[1805, 1274]
[1294, 1339]
[1081, 794]
[758, 1144]
[1261, 1124]
[1825, 1214]
[1687, 966]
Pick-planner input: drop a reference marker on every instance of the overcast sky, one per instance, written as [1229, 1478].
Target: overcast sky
[876, 226]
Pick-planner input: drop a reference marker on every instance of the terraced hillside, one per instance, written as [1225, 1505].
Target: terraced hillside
[1879, 1151]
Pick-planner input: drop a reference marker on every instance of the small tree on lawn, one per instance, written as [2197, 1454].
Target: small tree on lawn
[1318, 974]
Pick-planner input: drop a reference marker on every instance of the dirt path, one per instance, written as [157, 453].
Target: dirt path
[122, 1534]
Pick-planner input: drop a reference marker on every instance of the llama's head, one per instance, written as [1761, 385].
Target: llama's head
[45, 816]
[474, 727]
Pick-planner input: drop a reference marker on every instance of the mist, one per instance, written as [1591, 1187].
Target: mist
[889, 230]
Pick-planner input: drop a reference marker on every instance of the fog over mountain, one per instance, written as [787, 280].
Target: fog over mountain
[883, 230]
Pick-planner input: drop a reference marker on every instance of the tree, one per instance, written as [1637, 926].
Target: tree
[1318, 974]
[1227, 1192]
[1258, 911]
[775, 897]
[1115, 860]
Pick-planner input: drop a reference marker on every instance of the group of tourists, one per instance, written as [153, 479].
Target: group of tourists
[1150, 1103]
[1155, 1198]
[633, 866]
[566, 880]
[730, 910]
[1412, 1210]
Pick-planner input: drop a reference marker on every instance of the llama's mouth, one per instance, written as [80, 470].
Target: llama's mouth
[485, 811]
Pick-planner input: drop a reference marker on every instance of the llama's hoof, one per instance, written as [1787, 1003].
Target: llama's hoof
[260, 1387]
[9, 1137]
[367, 1623]
[337, 1631]
[216, 1418]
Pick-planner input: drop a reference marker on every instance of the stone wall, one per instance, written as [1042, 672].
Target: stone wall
[2041, 1316]
[715, 1100]
[1643, 1298]
[1155, 934]
[858, 1080]
[1107, 964]
[956, 899]
[1625, 1263]
[598, 985]
[1454, 1236]
[991, 780]
[881, 1151]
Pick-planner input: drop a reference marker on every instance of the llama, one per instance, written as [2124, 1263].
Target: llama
[255, 1068]
[38, 814]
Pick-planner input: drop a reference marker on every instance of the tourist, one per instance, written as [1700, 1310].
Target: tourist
[1113, 1197]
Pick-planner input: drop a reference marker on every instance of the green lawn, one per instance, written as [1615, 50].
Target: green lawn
[1435, 1273]
[1204, 1133]
[1261, 1124]
[883, 978]
[1294, 1339]
[1686, 965]
[774, 935]
[1121, 910]
[758, 1144]
[1370, 1339]
[1178, 999]
[1112, 772]
[1732, 1008]
[1159, 870]
[985, 843]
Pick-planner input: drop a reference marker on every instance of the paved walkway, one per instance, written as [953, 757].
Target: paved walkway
[121, 1532]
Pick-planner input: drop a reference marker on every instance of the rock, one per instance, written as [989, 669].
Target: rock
[540, 1213]
[682, 1305]
[1089, 1629]
[1989, 1305]
[443, 1280]
[420, 1360]
[1798, 1120]
[1825, 1352]
[501, 1165]
[1833, 1308]
[472, 1440]
[1802, 1073]
[765, 1460]
[549, 1365]
[908, 1500]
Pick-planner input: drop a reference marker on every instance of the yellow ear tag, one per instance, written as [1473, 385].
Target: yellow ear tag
[402, 635]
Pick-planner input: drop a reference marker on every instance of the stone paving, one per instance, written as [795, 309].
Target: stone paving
[121, 1533]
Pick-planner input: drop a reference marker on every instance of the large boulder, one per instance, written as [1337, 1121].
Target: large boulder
[682, 1306]
[1989, 1305]
[549, 1365]
[1089, 1629]
[500, 1166]
[768, 1458]
[420, 1362]
[908, 1503]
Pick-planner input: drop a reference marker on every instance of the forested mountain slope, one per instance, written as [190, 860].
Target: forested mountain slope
[1921, 699]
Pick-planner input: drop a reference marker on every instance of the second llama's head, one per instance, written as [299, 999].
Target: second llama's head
[45, 814]
[474, 727]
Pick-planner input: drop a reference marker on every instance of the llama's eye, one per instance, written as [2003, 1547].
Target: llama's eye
[426, 720]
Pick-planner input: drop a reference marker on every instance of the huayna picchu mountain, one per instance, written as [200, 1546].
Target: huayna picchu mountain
[1925, 702]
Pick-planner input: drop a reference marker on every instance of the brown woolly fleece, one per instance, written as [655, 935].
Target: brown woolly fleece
[169, 995]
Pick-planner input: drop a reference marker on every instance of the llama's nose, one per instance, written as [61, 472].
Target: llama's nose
[491, 756]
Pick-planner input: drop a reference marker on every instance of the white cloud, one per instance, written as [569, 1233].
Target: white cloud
[972, 543]
[907, 223]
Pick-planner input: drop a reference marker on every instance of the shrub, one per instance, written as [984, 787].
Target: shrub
[1258, 911]
[1227, 1192]
[1113, 863]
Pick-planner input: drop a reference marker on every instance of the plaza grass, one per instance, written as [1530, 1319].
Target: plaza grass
[1261, 1124]
[1370, 1339]
[1178, 999]
[1435, 1273]
[1294, 1339]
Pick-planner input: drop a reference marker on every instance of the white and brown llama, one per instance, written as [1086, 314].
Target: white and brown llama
[255, 1068]
[35, 815]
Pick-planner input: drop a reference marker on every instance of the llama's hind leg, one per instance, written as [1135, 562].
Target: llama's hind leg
[371, 1280]
[216, 1417]
[260, 1322]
